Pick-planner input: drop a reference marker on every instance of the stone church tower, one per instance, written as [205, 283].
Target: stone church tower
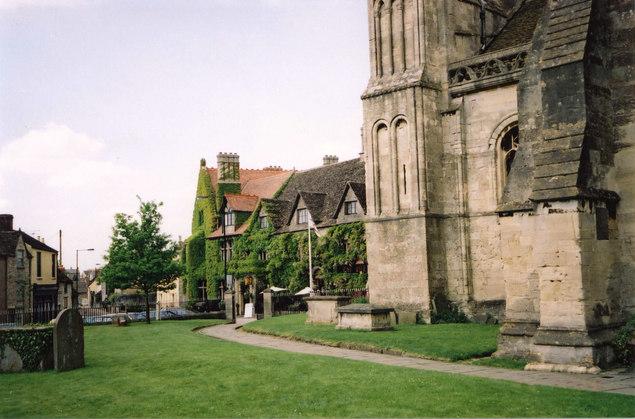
[498, 139]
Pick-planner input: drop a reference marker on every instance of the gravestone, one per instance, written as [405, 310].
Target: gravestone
[68, 340]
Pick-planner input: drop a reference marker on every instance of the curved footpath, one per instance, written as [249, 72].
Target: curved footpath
[610, 382]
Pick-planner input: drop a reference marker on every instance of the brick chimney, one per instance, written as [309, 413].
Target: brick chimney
[228, 167]
[6, 222]
[329, 159]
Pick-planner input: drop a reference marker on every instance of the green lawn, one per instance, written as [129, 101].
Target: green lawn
[451, 342]
[165, 370]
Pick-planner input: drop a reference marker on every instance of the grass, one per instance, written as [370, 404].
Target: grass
[165, 370]
[509, 363]
[448, 342]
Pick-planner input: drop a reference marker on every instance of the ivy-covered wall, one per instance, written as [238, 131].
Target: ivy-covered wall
[34, 346]
[202, 257]
[337, 256]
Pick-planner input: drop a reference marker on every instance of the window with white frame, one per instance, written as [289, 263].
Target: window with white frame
[230, 218]
[302, 216]
[350, 207]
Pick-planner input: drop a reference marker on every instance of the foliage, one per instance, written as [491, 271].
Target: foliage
[339, 252]
[621, 342]
[33, 344]
[256, 382]
[195, 262]
[207, 264]
[140, 256]
[447, 311]
[336, 255]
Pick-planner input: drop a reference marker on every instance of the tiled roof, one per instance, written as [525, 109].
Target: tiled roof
[36, 244]
[321, 189]
[218, 233]
[9, 241]
[520, 28]
[263, 183]
[244, 203]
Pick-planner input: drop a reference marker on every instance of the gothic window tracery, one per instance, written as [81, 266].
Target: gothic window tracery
[507, 149]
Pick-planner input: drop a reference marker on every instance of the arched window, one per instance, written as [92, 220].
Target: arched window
[507, 148]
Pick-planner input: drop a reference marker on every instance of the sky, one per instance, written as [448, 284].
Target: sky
[102, 101]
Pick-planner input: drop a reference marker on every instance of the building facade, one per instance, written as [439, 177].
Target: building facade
[500, 174]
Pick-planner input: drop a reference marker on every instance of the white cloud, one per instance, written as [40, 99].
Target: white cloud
[42, 4]
[59, 157]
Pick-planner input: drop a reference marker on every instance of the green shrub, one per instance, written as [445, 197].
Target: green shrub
[33, 344]
[621, 342]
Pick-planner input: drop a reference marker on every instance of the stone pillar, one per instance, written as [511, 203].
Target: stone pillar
[267, 303]
[230, 314]
[577, 283]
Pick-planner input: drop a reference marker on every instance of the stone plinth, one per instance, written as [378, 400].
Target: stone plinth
[68, 340]
[322, 309]
[364, 317]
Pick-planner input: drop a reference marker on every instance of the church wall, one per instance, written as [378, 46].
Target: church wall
[397, 268]
[622, 179]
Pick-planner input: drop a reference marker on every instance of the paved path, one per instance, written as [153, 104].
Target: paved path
[610, 382]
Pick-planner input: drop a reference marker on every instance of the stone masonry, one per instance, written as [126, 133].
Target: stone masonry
[500, 169]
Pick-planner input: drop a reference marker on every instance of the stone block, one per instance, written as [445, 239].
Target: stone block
[322, 309]
[364, 317]
[68, 340]
[10, 361]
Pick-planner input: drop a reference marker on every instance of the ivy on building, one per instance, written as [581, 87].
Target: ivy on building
[339, 257]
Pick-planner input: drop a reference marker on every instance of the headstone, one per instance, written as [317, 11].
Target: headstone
[249, 310]
[68, 340]
[10, 360]
[267, 303]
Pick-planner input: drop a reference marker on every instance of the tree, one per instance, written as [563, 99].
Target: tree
[140, 256]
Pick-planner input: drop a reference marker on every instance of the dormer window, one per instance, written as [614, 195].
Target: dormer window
[264, 222]
[302, 216]
[230, 218]
[350, 207]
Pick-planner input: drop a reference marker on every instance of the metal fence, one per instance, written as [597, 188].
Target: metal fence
[104, 314]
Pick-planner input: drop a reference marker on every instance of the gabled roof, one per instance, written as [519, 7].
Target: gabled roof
[218, 233]
[36, 244]
[242, 203]
[9, 241]
[359, 189]
[277, 211]
[314, 202]
[323, 187]
[520, 28]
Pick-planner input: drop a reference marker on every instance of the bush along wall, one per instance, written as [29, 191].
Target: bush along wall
[34, 346]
